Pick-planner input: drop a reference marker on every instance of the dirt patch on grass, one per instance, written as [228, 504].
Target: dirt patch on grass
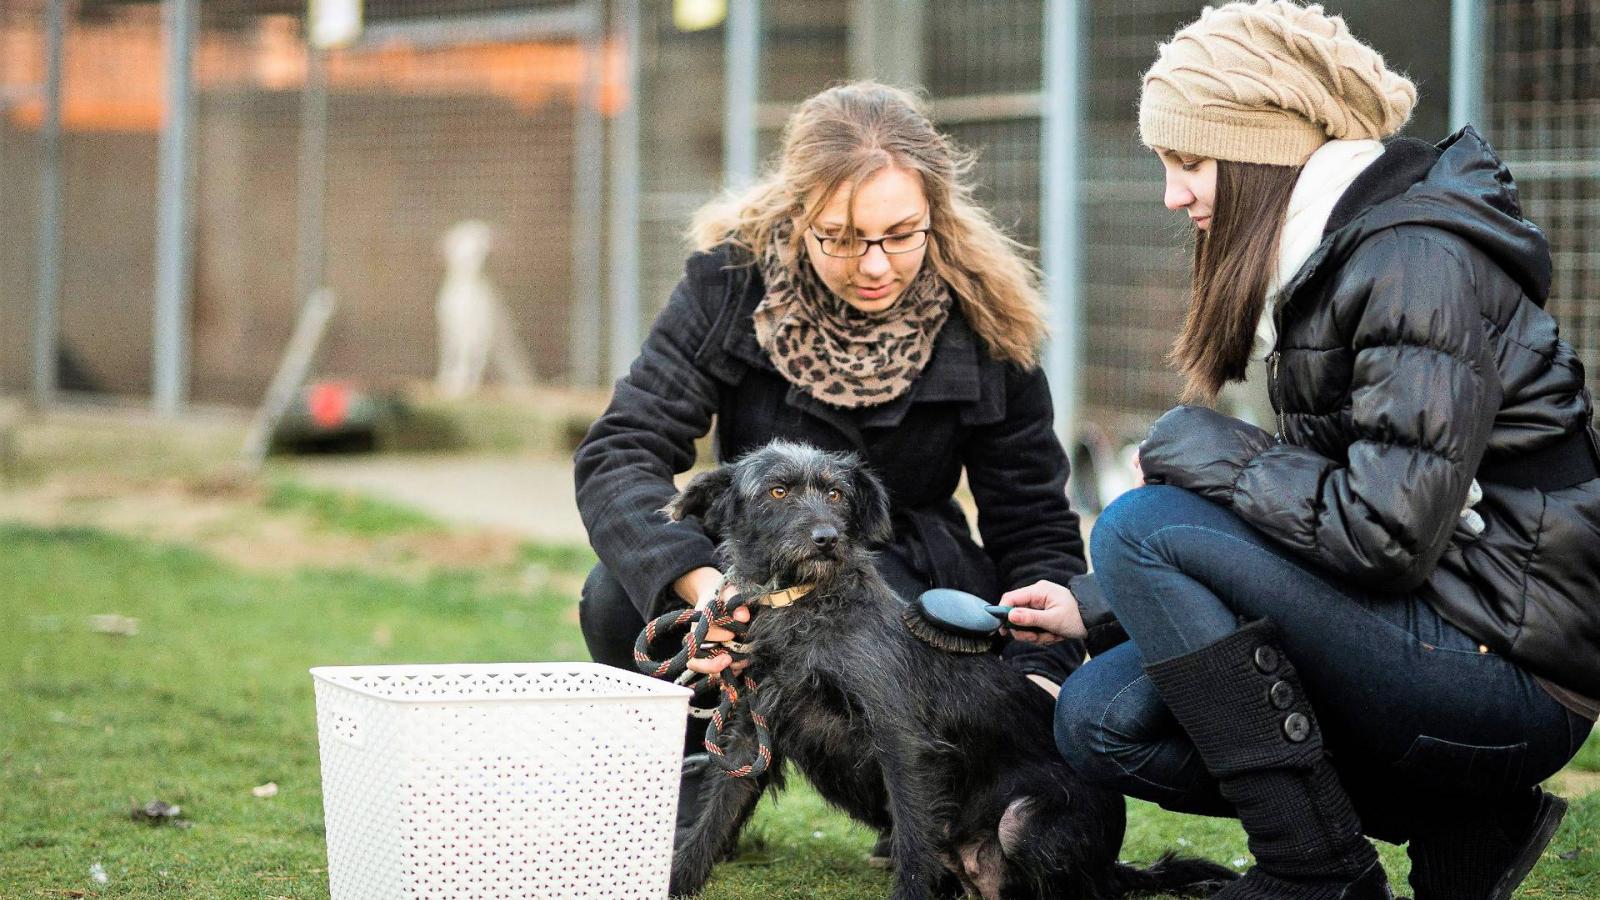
[1575, 783]
[226, 515]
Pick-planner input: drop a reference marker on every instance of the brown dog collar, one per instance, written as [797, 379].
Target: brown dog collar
[785, 597]
[774, 599]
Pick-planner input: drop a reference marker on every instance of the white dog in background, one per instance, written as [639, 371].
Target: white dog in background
[474, 325]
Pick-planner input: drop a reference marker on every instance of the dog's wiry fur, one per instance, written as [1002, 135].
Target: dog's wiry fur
[955, 751]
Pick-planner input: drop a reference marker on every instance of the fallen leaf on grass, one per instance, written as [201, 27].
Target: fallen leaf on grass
[61, 718]
[62, 892]
[159, 812]
[111, 623]
[270, 789]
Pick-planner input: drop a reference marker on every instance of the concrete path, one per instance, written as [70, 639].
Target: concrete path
[532, 496]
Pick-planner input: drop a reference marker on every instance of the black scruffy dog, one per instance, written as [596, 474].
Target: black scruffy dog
[954, 750]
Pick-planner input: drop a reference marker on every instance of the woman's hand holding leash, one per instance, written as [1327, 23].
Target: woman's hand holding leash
[1046, 606]
[700, 587]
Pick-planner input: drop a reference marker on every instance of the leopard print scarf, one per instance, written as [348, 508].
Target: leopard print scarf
[835, 352]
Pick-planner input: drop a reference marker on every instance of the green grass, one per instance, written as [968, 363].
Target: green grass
[211, 698]
[348, 512]
[1588, 758]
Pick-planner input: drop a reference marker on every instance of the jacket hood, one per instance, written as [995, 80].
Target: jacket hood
[1460, 186]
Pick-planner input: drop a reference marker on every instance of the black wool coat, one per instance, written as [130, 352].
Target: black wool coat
[967, 411]
[1414, 354]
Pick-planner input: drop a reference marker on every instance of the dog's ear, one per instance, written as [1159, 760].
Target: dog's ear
[869, 514]
[700, 497]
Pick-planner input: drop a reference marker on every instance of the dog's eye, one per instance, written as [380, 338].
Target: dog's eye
[835, 495]
[779, 492]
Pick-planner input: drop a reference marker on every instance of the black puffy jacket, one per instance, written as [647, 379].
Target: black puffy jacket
[1413, 354]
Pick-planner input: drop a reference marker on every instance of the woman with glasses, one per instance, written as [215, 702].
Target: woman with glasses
[857, 299]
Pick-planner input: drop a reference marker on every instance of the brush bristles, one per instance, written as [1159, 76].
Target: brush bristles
[934, 636]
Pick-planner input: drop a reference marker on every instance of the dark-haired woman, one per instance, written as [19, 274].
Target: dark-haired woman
[1384, 619]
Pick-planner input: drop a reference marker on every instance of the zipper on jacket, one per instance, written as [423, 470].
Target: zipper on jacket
[1272, 390]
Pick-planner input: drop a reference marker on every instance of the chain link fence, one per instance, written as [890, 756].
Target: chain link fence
[449, 111]
[1543, 115]
[680, 88]
[107, 173]
[446, 111]
[454, 110]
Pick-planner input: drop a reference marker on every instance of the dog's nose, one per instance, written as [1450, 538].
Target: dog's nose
[825, 536]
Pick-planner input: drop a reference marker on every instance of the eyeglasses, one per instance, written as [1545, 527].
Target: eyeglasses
[854, 247]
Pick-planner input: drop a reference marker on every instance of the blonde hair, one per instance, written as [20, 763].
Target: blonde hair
[844, 136]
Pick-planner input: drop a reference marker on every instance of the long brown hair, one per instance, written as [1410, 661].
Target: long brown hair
[1234, 262]
[844, 136]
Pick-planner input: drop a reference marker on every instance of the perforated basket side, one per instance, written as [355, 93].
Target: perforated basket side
[360, 803]
[496, 681]
[533, 789]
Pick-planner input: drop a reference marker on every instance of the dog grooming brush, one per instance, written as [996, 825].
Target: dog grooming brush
[956, 620]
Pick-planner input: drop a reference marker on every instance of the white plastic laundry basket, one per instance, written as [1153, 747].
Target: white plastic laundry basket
[541, 780]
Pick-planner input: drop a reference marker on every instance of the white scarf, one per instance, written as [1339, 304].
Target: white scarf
[1325, 178]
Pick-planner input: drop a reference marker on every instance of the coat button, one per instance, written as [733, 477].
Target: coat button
[1296, 727]
[1281, 695]
[1266, 660]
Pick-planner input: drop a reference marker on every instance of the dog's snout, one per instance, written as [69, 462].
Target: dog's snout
[825, 536]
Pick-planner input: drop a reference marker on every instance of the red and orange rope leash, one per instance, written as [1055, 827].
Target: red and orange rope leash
[736, 691]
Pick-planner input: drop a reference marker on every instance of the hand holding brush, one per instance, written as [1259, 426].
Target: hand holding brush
[1044, 612]
[964, 623]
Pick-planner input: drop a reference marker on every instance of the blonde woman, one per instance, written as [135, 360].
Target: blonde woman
[855, 299]
[1384, 618]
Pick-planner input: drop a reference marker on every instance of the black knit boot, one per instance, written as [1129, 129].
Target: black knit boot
[1242, 704]
[1483, 853]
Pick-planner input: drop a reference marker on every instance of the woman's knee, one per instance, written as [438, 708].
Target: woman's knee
[1130, 519]
[608, 619]
[1103, 719]
[1129, 743]
[1078, 735]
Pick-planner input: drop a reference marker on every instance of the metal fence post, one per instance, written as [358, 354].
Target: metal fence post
[1060, 224]
[313, 166]
[174, 215]
[1468, 58]
[46, 323]
[584, 348]
[741, 87]
[625, 326]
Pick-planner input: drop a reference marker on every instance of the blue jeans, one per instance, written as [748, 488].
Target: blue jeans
[1406, 700]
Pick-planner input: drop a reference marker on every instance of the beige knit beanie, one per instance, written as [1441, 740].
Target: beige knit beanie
[1268, 81]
